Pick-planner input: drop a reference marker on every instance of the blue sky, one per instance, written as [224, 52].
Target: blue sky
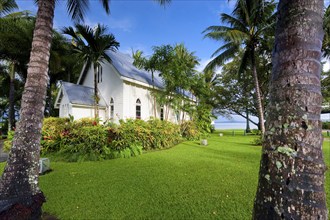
[141, 24]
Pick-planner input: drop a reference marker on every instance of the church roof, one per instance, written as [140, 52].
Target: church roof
[124, 65]
[80, 95]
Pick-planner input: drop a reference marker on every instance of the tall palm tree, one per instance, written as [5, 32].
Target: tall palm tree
[15, 44]
[291, 177]
[64, 64]
[91, 45]
[20, 195]
[248, 24]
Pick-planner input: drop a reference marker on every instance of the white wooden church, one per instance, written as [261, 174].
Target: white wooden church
[124, 91]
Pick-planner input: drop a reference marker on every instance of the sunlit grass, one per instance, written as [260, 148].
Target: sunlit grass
[189, 181]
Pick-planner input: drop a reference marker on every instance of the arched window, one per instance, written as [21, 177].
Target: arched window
[138, 109]
[112, 109]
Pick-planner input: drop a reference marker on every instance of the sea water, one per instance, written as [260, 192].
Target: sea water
[238, 122]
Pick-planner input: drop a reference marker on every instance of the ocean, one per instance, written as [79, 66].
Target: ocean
[238, 122]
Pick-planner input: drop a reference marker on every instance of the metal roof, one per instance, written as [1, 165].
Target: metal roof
[124, 65]
[80, 95]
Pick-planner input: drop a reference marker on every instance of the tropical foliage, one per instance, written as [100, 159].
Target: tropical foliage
[87, 139]
[185, 90]
[250, 28]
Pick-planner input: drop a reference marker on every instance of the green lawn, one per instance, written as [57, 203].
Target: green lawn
[188, 181]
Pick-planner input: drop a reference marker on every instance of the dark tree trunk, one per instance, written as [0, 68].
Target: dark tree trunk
[153, 90]
[11, 112]
[291, 177]
[49, 100]
[258, 94]
[20, 196]
[247, 129]
[96, 96]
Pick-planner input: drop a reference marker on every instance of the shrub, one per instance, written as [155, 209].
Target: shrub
[258, 141]
[189, 130]
[164, 134]
[85, 143]
[86, 139]
[256, 132]
[152, 134]
[8, 142]
[85, 122]
[53, 130]
[326, 125]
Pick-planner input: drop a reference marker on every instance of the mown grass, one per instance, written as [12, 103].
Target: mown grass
[189, 181]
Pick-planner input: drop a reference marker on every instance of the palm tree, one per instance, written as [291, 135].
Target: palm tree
[291, 177]
[248, 24]
[94, 53]
[7, 6]
[20, 195]
[15, 44]
[148, 65]
[64, 64]
[326, 39]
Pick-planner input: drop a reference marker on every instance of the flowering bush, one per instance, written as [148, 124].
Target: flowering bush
[87, 139]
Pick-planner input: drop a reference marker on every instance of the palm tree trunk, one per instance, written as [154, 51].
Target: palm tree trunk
[11, 112]
[247, 130]
[291, 177]
[258, 93]
[153, 89]
[96, 96]
[20, 196]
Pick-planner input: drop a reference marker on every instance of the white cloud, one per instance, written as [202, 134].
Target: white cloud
[124, 24]
[203, 63]
[128, 50]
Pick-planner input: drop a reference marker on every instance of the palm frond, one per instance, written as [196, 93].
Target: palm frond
[233, 22]
[243, 64]
[227, 46]
[163, 2]
[77, 9]
[106, 6]
[7, 6]
[222, 58]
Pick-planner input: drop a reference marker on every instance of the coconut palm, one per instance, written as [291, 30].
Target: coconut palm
[91, 45]
[20, 195]
[248, 24]
[291, 177]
